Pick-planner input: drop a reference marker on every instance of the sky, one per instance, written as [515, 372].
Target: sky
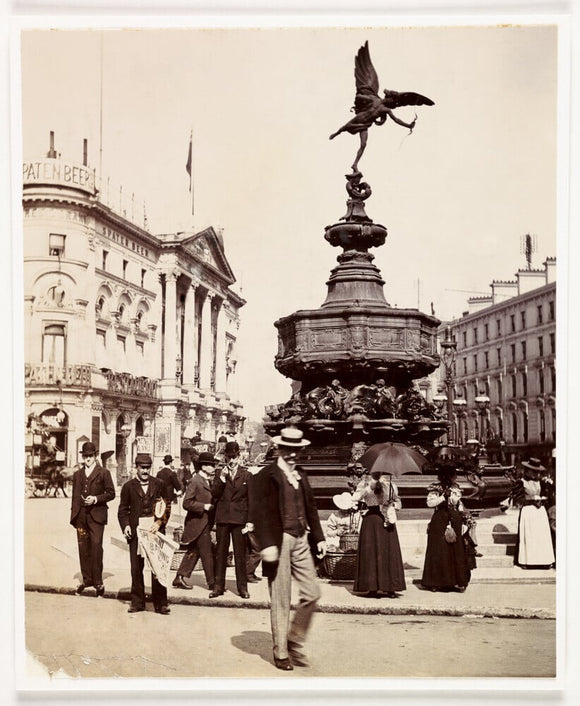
[457, 195]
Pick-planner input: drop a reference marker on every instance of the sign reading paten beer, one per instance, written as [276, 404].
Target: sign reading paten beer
[55, 171]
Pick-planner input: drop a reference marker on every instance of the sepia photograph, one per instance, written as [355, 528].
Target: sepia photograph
[289, 315]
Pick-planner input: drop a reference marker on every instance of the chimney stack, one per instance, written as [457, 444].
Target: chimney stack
[85, 152]
[51, 154]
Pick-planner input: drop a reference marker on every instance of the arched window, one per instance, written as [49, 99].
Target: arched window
[542, 425]
[514, 428]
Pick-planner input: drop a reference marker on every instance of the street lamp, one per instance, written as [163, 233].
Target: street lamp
[448, 350]
[482, 402]
[250, 444]
[460, 404]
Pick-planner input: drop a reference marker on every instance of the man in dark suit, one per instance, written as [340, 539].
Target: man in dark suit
[169, 477]
[143, 504]
[283, 512]
[92, 489]
[230, 491]
[199, 504]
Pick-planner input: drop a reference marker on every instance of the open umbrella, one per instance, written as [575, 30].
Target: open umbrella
[390, 457]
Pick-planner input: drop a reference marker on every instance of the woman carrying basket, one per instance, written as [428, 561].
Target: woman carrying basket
[379, 561]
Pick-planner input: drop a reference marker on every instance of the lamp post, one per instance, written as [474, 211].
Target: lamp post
[250, 445]
[460, 404]
[448, 350]
[482, 402]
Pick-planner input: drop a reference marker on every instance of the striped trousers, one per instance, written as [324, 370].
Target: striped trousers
[295, 562]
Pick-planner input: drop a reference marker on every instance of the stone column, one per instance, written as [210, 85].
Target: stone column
[220, 351]
[189, 337]
[206, 344]
[170, 343]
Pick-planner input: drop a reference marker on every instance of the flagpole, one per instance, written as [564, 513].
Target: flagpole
[189, 169]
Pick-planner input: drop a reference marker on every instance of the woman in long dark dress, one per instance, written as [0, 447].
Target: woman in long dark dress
[379, 561]
[446, 563]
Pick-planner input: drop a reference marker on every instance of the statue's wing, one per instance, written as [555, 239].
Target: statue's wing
[409, 98]
[367, 81]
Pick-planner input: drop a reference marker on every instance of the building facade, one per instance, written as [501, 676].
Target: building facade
[130, 337]
[504, 378]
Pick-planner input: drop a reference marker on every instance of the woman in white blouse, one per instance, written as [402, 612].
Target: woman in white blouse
[379, 561]
[534, 546]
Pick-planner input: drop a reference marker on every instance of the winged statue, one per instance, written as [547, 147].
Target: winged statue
[369, 107]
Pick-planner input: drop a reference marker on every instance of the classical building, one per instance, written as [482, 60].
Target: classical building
[504, 381]
[130, 337]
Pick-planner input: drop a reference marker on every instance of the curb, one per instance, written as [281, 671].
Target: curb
[392, 609]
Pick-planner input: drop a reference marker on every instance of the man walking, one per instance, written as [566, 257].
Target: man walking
[283, 510]
[231, 516]
[169, 478]
[92, 489]
[198, 502]
[143, 505]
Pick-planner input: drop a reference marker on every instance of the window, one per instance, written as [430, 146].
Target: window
[465, 366]
[542, 425]
[101, 340]
[122, 343]
[474, 336]
[523, 317]
[524, 350]
[498, 327]
[540, 314]
[524, 384]
[486, 359]
[140, 348]
[540, 345]
[56, 245]
[104, 262]
[475, 363]
[486, 331]
[513, 351]
[125, 263]
[552, 343]
[513, 322]
[53, 344]
[541, 380]
[553, 378]
[499, 390]
[514, 385]
[465, 339]
[143, 273]
[551, 310]
[499, 356]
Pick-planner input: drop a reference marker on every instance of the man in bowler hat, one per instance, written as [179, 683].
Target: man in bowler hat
[143, 504]
[92, 489]
[231, 517]
[283, 512]
[169, 477]
[199, 503]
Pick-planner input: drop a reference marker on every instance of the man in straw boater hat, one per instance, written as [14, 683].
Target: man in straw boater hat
[283, 512]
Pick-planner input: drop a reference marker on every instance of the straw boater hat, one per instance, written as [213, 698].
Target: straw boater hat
[343, 501]
[291, 437]
[534, 464]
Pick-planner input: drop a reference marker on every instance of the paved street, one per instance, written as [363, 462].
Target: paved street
[227, 642]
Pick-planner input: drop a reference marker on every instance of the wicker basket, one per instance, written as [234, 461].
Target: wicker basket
[348, 542]
[176, 561]
[339, 566]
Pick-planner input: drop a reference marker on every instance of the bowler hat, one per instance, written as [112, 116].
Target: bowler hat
[291, 436]
[534, 464]
[88, 449]
[106, 455]
[143, 460]
[205, 459]
[232, 448]
[167, 459]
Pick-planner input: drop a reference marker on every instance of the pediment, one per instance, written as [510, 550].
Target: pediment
[207, 248]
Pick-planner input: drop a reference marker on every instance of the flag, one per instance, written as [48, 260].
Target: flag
[189, 159]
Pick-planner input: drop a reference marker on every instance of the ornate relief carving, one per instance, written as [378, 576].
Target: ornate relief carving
[386, 338]
[328, 338]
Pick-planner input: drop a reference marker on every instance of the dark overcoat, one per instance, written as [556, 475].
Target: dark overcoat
[198, 493]
[232, 498]
[131, 502]
[100, 484]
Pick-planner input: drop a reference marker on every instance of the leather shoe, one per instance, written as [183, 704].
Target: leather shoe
[297, 656]
[215, 593]
[179, 582]
[252, 578]
[285, 664]
[163, 610]
[244, 594]
[135, 609]
[80, 588]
